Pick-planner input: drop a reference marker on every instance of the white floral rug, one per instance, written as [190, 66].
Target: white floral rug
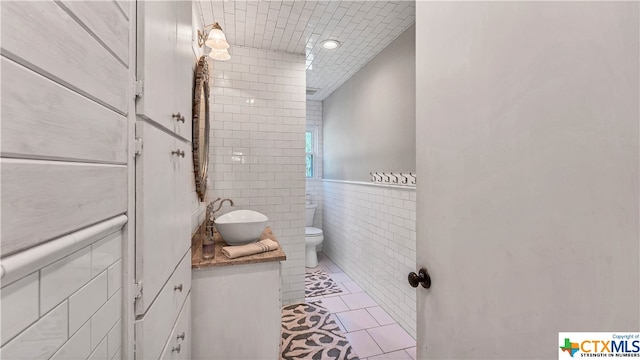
[319, 283]
[309, 333]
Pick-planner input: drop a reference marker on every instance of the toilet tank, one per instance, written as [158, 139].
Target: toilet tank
[309, 212]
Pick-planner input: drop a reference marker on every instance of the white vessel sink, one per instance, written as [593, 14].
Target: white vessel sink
[241, 227]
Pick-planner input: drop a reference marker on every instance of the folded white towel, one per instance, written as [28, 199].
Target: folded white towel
[261, 246]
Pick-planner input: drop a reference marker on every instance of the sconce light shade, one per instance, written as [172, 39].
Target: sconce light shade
[219, 54]
[216, 39]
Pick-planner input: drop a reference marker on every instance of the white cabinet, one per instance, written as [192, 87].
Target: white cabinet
[162, 209]
[155, 327]
[178, 347]
[164, 171]
[236, 312]
[165, 64]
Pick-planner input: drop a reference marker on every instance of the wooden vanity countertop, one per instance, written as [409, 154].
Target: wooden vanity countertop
[197, 262]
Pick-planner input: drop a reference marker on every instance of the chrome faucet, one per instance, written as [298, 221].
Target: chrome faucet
[219, 206]
[210, 229]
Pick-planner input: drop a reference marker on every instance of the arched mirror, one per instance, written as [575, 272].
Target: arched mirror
[201, 125]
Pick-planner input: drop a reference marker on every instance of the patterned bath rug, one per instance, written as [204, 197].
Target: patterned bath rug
[309, 333]
[319, 283]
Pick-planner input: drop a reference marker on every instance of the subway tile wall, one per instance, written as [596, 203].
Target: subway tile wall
[370, 233]
[314, 185]
[69, 309]
[257, 146]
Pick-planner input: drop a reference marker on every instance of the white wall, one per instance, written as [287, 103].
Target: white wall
[369, 125]
[369, 121]
[369, 232]
[257, 146]
[70, 308]
[528, 155]
[314, 185]
[65, 169]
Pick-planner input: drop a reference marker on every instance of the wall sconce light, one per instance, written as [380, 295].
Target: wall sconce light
[216, 41]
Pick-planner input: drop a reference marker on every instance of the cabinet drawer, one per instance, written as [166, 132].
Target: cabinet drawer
[178, 347]
[153, 330]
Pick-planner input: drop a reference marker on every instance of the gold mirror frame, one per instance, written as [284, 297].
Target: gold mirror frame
[201, 125]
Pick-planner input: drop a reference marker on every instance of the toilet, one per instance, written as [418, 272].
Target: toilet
[312, 236]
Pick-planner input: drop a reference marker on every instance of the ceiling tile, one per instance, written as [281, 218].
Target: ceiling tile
[363, 28]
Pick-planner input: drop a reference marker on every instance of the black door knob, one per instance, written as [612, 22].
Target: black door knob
[422, 277]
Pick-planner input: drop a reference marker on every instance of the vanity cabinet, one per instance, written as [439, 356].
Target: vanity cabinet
[163, 176]
[237, 312]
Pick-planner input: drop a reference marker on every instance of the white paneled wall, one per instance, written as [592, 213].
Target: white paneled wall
[370, 232]
[257, 146]
[70, 308]
[314, 186]
[66, 163]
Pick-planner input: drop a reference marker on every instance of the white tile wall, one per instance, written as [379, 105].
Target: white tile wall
[80, 306]
[42, 339]
[101, 352]
[62, 278]
[314, 186]
[105, 253]
[115, 278]
[106, 317]
[78, 346]
[369, 231]
[19, 306]
[86, 301]
[257, 146]
[115, 340]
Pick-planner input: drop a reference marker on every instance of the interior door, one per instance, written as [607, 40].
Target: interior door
[527, 156]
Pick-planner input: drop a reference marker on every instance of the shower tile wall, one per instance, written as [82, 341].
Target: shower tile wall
[314, 186]
[257, 146]
[370, 233]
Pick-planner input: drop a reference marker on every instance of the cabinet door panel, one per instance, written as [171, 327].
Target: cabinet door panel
[157, 61]
[182, 202]
[185, 64]
[155, 214]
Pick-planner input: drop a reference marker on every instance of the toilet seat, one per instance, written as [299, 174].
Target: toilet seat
[312, 231]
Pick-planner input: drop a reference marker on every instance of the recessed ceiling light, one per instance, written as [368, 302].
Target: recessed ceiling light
[330, 44]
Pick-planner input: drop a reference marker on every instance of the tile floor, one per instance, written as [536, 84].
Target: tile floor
[373, 334]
